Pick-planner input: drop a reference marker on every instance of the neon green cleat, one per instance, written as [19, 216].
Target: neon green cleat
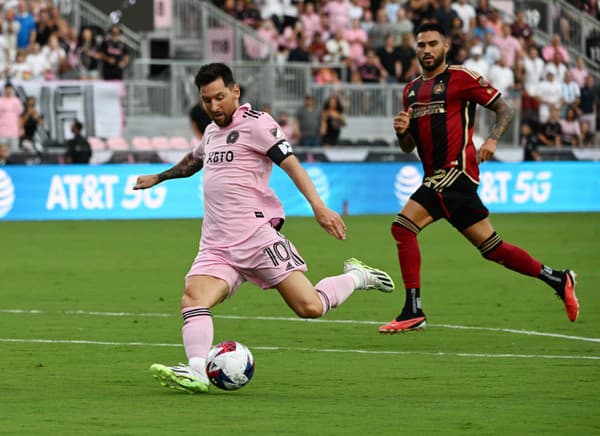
[180, 377]
[371, 278]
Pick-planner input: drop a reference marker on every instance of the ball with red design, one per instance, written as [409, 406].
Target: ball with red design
[230, 365]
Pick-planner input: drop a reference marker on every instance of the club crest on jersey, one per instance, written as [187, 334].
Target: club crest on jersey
[438, 88]
[276, 132]
[233, 136]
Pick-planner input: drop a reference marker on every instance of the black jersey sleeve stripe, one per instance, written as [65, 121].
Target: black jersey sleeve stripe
[280, 151]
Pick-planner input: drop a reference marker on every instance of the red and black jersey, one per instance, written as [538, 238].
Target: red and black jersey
[443, 118]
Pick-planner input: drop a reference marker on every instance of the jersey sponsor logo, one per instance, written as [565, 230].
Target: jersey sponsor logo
[232, 137]
[220, 156]
[431, 108]
[411, 93]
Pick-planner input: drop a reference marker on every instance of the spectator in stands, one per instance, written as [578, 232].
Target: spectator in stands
[332, 121]
[549, 52]
[570, 128]
[78, 148]
[508, 45]
[357, 39]
[557, 67]
[10, 110]
[467, 14]
[502, 77]
[579, 72]
[30, 119]
[421, 10]
[38, 62]
[548, 95]
[317, 48]
[550, 131]
[491, 53]
[19, 69]
[476, 62]
[401, 26]
[289, 127]
[87, 54]
[300, 53]
[44, 27]
[389, 57]
[10, 29]
[4, 54]
[587, 138]
[533, 67]
[56, 57]
[570, 92]
[338, 12]
[115, 55]
[356, 10]
[338, 48]
[367, 22]
[380, 30]
[309, 119]
[588, 103]
[529, 142]
[521, 30]
[494, 22]
[481, 29]
[199, 120]
[311, 22]
[458, 40]
[391, 10]
[483, 8]
[408, 58]
[27, 25]
[445, 14]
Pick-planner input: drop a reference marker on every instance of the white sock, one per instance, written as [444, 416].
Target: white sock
[198, 365]
[358, 278]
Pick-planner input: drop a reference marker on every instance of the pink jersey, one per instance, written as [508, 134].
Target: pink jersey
[237, 196]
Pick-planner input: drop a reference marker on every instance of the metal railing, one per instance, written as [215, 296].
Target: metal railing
[283, 88]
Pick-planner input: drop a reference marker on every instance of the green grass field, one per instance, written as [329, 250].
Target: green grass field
[86, 307]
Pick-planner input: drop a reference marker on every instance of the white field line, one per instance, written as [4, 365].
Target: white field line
[293, 319]
[307, 349]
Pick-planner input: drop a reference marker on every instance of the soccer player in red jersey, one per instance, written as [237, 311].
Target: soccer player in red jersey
[438, 120]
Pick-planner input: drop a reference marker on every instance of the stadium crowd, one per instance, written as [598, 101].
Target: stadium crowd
[374, 40]
[371, 39]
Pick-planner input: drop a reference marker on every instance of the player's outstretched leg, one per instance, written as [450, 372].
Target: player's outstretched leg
[369, 277]
[180, 377]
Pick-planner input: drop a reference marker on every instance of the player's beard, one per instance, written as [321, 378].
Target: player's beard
[437, 61]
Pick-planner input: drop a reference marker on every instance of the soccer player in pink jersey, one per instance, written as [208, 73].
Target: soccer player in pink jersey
[242, 218]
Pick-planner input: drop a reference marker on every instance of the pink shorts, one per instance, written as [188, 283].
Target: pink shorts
[266, 259]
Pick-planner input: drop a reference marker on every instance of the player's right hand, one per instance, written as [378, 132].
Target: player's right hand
[402, 121]
[144, 182]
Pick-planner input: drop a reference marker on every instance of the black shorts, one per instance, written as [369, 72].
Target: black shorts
[458, 203]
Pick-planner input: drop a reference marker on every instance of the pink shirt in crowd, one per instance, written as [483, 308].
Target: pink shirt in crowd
[236, 173]
[10, 109]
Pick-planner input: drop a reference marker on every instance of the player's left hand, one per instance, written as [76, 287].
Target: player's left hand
[332, 223]
[487, 150]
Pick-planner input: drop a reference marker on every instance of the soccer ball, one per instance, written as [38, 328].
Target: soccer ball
[230, 365]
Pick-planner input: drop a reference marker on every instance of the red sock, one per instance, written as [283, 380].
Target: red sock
[409, 255]
[515, 258]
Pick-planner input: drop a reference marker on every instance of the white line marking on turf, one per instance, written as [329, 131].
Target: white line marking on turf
[325, 321]
[305, 349]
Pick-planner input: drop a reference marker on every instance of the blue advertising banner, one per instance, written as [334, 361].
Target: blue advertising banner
[64, 192]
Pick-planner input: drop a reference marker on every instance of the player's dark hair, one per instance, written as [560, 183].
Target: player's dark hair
[430, 26]
[210, 72]
[78, 125]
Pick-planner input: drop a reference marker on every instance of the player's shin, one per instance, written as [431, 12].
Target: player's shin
[333, 291]
[197, 335]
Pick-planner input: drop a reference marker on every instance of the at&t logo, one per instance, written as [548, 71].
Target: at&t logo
[408, 179]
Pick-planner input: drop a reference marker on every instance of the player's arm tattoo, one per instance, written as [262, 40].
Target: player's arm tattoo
[186, 167]
[406, 141]
[504, 115]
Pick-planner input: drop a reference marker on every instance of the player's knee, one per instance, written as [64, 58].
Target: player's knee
[489, 248]
[309, 309]
[404, 229]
